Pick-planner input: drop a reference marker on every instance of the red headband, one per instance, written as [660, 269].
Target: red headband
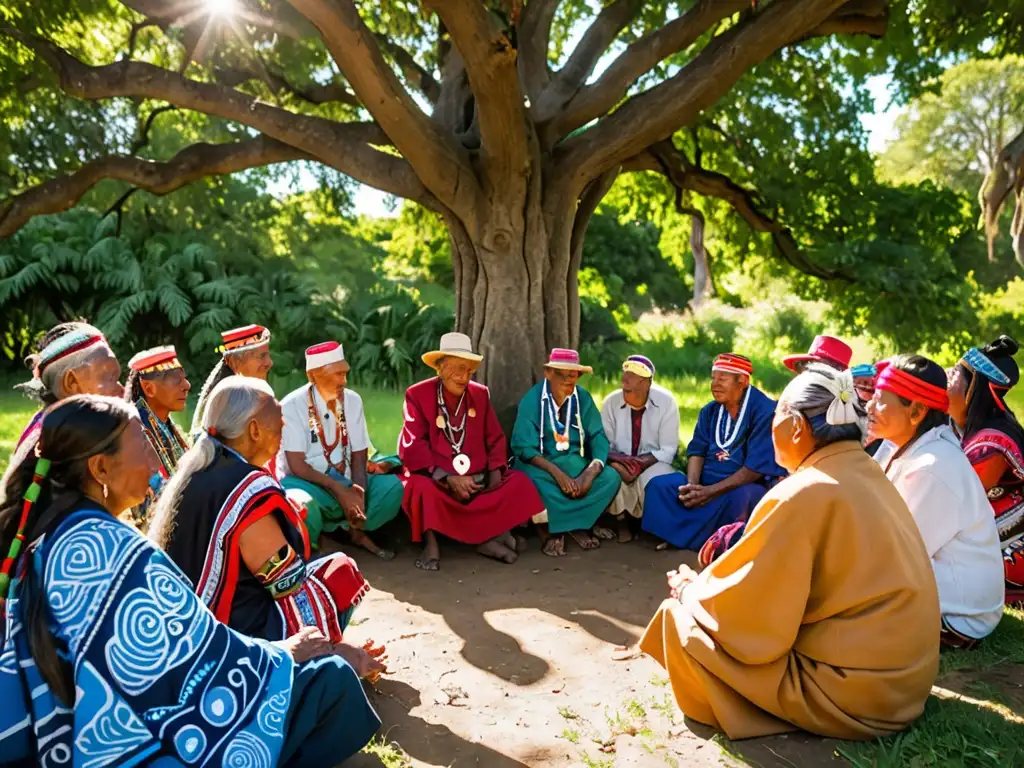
[910, 387]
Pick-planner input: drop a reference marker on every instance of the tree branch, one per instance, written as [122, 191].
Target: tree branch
[143, 139]
[639, 58]
[1006, 177]
[858, 17]
[665, 158]
[490, 62]
[313, 94]
[655, 114]
[189, 165]
[347, 147]
[599, 36]
[441, 164]
[411, 69]
[534, 37]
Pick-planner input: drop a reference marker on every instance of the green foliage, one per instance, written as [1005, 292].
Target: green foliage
[952, 136]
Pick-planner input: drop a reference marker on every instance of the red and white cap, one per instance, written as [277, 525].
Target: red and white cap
[242, 339]
[320, 355]
[156, 359]
[732, 363]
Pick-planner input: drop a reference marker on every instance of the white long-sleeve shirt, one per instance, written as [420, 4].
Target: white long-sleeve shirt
[953, 513]
[659, 426]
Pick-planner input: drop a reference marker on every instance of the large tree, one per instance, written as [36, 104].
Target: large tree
[482, 112]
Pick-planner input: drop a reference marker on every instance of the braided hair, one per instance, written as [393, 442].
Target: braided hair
[985, 408]
[73, 431]
[220, 372]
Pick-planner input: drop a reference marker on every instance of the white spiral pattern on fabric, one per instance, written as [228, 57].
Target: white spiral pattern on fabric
[247, 751]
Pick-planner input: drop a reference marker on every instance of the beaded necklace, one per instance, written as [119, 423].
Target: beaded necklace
[559, 430]
[168, 442]
[725, 439]
[455, 435]
[316, 428]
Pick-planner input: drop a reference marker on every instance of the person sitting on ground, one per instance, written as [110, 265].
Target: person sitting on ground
[864, 376]
[730, 462]
[824, 616]
[117, 661]
[641, 422]
[324, 452]
[826, 350]
[559, 438]
[244, 351]
[157, 386]
[457, 480]
[993, 440]
[227, 524]
[923, 459]
[73, 359]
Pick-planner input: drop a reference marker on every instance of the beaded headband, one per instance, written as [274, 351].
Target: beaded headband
[66, 345]
[864, 371]
[730, 363]
[977, 361]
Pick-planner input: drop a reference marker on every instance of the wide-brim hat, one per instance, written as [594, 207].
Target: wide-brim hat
[452, 345]
[824, 349]
[567, 360]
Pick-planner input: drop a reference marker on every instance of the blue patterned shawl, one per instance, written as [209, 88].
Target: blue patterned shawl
[156, 674]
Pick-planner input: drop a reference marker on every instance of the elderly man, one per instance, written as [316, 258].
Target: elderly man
[73, 359]
[324, 453]
[827, 350]
[244, 351]
[641, 422]
[730, 466]
[158, 387]
[560, 440]
[457, 480]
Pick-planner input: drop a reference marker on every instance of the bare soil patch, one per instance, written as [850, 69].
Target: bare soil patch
[508, 666]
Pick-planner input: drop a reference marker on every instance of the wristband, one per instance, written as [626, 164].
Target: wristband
[596, 461]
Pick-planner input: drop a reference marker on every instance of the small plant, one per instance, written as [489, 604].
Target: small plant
[571, 735]
[567, 713]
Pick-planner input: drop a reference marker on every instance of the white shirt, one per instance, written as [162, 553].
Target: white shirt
[659, 426]
[296, 435]
[953, 513]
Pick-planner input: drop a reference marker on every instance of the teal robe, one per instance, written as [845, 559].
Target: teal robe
[564, 513]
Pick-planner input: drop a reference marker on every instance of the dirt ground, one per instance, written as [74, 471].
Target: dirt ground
[507, 666]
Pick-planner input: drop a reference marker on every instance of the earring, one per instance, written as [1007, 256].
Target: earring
[105, 491]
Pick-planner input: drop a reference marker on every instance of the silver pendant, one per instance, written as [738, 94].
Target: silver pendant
[722, 455]
[461, 463]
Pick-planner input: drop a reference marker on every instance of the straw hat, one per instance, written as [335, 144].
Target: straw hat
[566, 360]
[453, 345]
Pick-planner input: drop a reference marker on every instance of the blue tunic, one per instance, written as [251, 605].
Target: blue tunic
[688, 528]
[159, 680]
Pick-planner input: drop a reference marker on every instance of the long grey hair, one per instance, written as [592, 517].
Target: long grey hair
[828, 401]
[233, 404]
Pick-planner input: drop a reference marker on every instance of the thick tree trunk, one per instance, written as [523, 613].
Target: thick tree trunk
[703, 286]
[515, 283]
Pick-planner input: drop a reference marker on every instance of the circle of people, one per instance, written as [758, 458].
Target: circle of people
[162, 596]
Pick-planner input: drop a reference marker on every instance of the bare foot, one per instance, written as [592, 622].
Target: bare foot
[498, 551]
[603, 533]
[584, 540]
[430, 557]
[361, 539]
[626, 652]
[554, 546]
[625, 535]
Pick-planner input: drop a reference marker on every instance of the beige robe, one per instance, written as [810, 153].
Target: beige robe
[823, 617]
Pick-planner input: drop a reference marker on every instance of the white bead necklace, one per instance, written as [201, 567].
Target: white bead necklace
[725, 441]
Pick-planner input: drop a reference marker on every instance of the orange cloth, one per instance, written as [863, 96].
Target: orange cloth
[823, 617]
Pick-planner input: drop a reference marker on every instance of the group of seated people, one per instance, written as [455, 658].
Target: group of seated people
[865, 501]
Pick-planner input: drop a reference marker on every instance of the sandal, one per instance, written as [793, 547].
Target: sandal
[433, 564]
[584, 540]
[554, 546]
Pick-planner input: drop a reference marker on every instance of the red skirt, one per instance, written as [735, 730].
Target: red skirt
[487, 515]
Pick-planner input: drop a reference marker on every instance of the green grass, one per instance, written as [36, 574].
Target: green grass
[951, 732]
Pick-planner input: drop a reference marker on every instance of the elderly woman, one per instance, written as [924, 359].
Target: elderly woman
[457, 480]
[559, 437]
[244, 351]
[923, 458]
[227, 524]
[993, 440]
[109, 658]
[803, 624]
